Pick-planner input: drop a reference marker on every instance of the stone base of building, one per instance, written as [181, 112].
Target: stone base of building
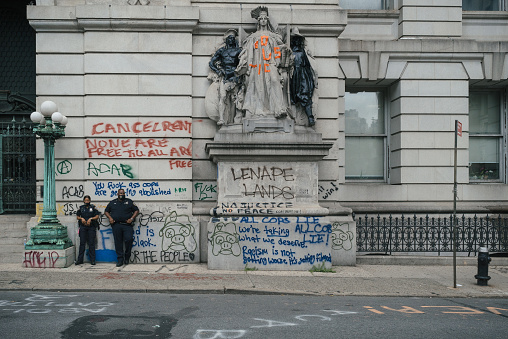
[49, 258]
[343, 240]
[269, 243]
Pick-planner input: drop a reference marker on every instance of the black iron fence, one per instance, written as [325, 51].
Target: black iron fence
[430, 234]
[17, 167]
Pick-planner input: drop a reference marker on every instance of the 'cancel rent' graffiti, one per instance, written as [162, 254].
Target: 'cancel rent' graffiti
[272, 241]
[139, 127]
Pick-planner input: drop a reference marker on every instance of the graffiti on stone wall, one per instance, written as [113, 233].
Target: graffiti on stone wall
[265, 182]
[105, 190]
[138, 148]
[97, 169]
[63, 167]
[328, 190]
[204, 191]
[272, 241]
[271, 207]
[342, 237]
[132, 188]
[178, 234]
[138, 127]
[41, 259]
[159, 237]
[225, 239]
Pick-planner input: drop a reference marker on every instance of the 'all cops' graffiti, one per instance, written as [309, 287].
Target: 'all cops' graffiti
[269, 243]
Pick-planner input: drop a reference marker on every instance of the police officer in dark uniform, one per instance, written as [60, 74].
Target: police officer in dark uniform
[121, 213]
[87, 218]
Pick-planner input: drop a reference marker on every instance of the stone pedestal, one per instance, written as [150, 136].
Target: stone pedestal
[46, 254]
[267, 214]
[343, 239]
[49, 258]
[269, 243]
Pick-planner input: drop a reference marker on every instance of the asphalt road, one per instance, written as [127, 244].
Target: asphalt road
[152, 315]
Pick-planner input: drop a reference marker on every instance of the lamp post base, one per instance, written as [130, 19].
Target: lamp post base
[48, 235]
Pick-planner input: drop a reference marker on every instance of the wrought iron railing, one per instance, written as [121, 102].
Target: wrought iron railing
[17, 167]
[430, 234]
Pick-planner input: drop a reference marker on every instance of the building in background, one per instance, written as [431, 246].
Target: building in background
[394, 75]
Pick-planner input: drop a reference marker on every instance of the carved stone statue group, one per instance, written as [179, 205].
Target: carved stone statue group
[272, 75]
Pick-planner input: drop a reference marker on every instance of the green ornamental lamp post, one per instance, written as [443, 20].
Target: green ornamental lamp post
[49, 233]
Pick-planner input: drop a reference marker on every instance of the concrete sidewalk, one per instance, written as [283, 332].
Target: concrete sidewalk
[364, 280]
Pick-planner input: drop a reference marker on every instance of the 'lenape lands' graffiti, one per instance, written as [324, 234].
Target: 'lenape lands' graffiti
[178, 234]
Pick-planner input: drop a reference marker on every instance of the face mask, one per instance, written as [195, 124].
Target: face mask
[121, 196]
[87, 204]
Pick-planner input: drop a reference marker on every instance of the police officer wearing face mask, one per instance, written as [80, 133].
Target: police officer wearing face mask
[87, 218]
[121, 213]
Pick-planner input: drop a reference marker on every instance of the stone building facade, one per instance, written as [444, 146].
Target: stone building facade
[394, 76]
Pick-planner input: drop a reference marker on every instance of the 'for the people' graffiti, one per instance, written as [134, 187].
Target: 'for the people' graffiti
[158, 238]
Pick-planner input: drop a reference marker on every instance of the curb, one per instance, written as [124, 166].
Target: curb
[256, 292]
[406, 260]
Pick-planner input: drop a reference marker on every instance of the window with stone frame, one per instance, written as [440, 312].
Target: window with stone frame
[485, 136]
[366, 4]
[366, 136]
[483, 5]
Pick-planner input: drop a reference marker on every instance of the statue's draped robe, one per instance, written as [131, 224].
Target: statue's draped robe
[302, 80]
[259, 60]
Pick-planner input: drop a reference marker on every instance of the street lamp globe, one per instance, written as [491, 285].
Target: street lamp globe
[64, 121]
[36, 117]
[57, 117]
[48, 108]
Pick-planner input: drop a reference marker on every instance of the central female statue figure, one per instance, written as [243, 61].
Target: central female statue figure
[260, 61]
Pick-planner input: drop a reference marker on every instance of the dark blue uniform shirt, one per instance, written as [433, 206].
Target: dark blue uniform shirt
[87, 212]
[121, 210]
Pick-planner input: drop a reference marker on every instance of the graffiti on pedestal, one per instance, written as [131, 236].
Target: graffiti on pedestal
[342, 237]
[178, 234]
[272, 241]
[159, 237]
[41, 259]
[225, 239]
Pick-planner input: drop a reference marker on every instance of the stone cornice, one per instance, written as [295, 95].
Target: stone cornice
[226, 151]
[104, 17]
[176, 18]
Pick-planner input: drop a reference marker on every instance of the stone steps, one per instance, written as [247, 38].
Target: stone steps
[13, 231]
[13, 240]
[12, 254]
